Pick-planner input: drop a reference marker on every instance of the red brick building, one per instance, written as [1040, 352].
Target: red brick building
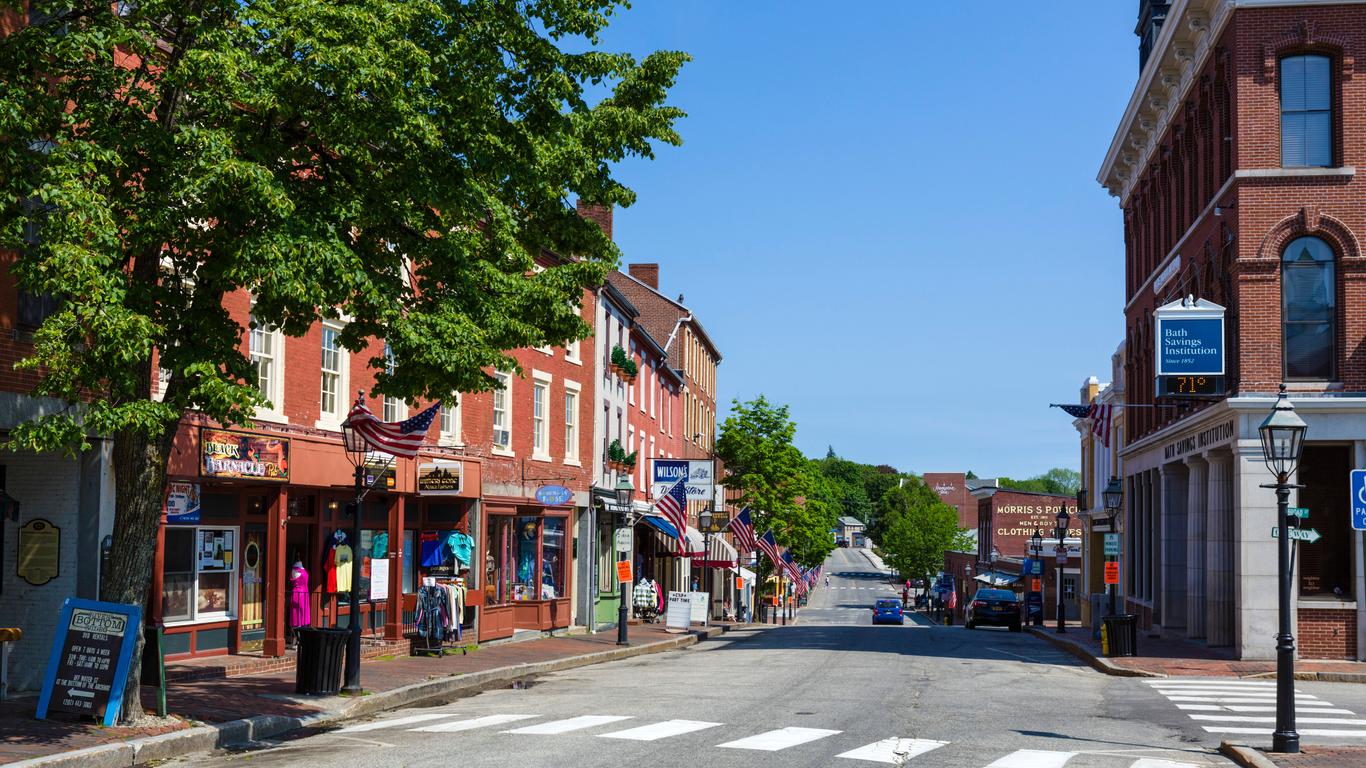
[953, 490]
[1235, 165]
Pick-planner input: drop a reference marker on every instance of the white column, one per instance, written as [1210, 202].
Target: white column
[1197, 501]
[1255, 576]
[1219, 550]
[1171, 574]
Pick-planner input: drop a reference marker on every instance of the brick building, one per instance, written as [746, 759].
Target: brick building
[953, 489]
[1235, 165]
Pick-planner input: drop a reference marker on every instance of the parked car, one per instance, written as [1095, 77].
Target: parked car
[993, 607]
[888, 611]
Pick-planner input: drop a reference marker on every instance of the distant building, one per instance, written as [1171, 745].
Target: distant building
[953, 490]
[848, 527]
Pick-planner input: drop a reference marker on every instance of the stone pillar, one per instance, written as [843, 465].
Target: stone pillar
[1197, 502]
[1219, 550]
[1257, 613]
[1172, 551]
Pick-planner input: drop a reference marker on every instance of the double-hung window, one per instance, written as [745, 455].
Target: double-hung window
[1309, 309]
[333, 401]
[571, 425]
[1306, 111]
[540, 426]
[502, 414]
[450, 420]
[265, 350]
[393, 407]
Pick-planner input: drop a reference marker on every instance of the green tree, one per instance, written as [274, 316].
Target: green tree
[1060, 481]
[918, 529]
[398, 163]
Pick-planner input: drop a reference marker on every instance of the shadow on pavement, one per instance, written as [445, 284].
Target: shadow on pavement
[926, 642]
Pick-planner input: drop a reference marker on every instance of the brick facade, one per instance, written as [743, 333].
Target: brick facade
[952, 488]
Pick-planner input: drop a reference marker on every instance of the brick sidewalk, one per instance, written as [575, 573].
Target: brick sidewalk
[222, 699]
[1321, 757]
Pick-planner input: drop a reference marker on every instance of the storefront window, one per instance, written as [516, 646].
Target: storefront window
[553, 559]
[199, 574]
[409, 544]
[525, 547]
[1325, 567]
[606, 559]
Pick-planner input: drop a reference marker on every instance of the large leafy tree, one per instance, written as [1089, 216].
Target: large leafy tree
[398, 163]
[918, 528]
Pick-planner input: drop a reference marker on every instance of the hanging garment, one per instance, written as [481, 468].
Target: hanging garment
[644, 594]
[379, 545]
[299, 610]
[432, 618]
[430, 549]
[330, 571]
[342, 557]
[461, 546]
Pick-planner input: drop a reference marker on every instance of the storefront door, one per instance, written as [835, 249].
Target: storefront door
[252, 615]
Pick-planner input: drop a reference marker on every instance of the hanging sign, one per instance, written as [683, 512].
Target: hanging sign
[440, 478]
[1112, 572]
[182, 503]
[699, 477]
[554, 495]
[624, 572]
[1358, 500]
[88, 666]
[623, 539]
[1189, 348]
[40, 548]
[241, 455]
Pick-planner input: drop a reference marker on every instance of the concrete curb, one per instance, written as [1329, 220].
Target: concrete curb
[205, 738]
[1316, 677]
[1245, 756]
[1098, 663]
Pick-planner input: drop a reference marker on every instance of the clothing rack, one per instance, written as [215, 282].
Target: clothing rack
[440, 609]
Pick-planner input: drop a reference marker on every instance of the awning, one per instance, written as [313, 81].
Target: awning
[748, 575]
[722, 554]
[661, 525]
[997, 578]
[696, 546]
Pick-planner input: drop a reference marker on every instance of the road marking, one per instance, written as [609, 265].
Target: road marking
[477, 722]
[1212, 681]
[1301, 701]
[1256, 719]
[1153, 762]
[894, 751]
[659, 730]
[1189, 691]
[772, 741]
[1302, 731]
[1033, 758]
[1311, 711]
[569, 724]
[396, 722]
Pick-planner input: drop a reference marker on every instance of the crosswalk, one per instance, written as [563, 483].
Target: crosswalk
[1248, 707]
[888, 751]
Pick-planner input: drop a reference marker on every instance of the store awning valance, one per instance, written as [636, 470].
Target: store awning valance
[748, 575]
[661, 525]
[997, 578]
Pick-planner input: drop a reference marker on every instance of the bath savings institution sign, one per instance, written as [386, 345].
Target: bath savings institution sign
[1190, 338]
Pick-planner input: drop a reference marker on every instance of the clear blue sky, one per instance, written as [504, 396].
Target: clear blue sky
[886, 215]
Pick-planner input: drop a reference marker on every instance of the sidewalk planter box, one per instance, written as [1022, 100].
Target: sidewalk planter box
[495, 622]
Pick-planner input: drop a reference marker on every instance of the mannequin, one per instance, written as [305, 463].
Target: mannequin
[299, 610]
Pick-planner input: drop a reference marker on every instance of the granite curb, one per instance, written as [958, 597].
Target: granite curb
[1245, 756]
[1098, 663]
[204, 738]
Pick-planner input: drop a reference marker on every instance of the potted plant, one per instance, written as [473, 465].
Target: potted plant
[616, 455]
[629, 462]
[619, 359]
[629, 371]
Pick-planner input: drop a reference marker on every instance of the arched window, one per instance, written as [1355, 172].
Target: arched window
[1306, 111]
[1308, 309]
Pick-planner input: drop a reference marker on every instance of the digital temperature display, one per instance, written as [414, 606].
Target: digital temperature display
[1189, 386]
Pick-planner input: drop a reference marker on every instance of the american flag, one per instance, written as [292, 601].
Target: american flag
[790, 565]
[770, 547]
[673, 506]
[1077, 411]
[1100, 416]
[742, 528]
[401, 438]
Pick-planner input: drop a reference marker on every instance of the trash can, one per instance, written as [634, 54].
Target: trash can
[1119, 635]
[319, 664]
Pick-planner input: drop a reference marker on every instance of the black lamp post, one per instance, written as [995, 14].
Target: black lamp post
[356, 448]
[704, 518]
[1114, 497]
[1036, 545]
[1282, 441]
[624, 491]
[1061, 531]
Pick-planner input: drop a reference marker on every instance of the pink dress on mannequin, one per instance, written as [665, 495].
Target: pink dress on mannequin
[299, 613]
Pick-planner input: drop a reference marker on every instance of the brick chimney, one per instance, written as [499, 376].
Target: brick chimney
[600, 214]
[645, 273]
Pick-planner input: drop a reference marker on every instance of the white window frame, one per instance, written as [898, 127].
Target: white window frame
[449, 424]
[394, 409]
[572, 435]
[631, 389]
[506, 380]
[230, 611]
[572, 352]
[540, 425]
[333, 420]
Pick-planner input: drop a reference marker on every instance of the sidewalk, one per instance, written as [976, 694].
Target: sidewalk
[256, 706]
[1159, 657]
[1308, 757]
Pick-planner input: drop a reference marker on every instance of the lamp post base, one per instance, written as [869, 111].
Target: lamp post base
[1285, 743]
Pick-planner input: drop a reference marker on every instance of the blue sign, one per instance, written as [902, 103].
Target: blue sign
[1359, 499]
[91, 652]
[1190, 346]
[554, 495]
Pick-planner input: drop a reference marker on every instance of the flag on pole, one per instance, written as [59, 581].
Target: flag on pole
[769, 545]
[790, 566]
[1100, 422]
[742, 528]
[673, 506]
[400, 438]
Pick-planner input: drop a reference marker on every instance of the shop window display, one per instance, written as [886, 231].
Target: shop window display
[525, 547]
[199, 574]
[553, 559]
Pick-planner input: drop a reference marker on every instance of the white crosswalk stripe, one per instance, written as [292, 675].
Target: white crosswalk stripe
[395, 722]
[569, 724]
[1033, 758]
[469, 725]
[782, 738]
[892, 751]
[661, 730]
[1231, 706]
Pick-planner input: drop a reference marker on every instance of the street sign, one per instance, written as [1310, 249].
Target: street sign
[1358, 484]
[1112, 544]
[1307, 535]
[1300, 512]
[623, 539]
[1062, 556]
[1038, 568]
[624, 572]
[1035, 585]
[1112, 573]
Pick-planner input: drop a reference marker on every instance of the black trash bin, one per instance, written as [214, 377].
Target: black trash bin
[319, 664]
[1120, 634]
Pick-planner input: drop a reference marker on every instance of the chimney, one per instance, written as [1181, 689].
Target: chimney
[599, 214]
[645, 273]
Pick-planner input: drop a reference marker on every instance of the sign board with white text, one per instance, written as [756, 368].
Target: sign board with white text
[699, 476]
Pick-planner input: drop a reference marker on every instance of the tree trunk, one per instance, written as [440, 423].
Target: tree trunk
[139, 487]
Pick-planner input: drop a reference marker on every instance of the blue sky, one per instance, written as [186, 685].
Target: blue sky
[886, 215]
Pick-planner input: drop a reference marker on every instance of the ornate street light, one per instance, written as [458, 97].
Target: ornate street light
[1064, 520]
[1282, 441]
[356, 448]
[624, 492]
[1036, 546]
[704, 518]
[1114, 498]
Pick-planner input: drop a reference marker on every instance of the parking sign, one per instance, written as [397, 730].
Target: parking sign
[1359, 499]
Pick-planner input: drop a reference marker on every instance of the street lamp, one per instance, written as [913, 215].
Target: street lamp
[1282, 440]
[1036, 546]
[1063, 520]
[704, 518]
[1114, 497]
[624, 491]
[356, 448]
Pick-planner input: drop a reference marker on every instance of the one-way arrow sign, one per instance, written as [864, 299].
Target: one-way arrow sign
[1307, 535]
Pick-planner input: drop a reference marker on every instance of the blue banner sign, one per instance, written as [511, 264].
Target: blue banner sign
[1190, 339]
[91, 652]
[1358, 501]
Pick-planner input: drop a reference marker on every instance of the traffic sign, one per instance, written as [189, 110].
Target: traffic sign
[1307, 535]
[1358, 484]
[1300, 512]
[1112, 544]
[1112, 573]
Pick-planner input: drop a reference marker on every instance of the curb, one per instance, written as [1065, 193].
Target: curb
[205, 738]
[1098, 663]
[1316, 677]
[1245, 756]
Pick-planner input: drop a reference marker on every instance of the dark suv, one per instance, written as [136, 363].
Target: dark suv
[993, 607]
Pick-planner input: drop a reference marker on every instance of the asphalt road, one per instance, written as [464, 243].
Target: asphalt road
[830, 690]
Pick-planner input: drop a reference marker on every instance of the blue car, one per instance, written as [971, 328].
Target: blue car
[888, 612]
